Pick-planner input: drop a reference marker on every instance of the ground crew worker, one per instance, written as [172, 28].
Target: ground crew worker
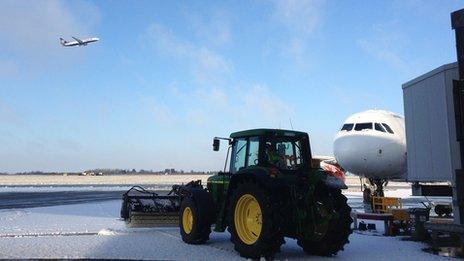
[367, 199]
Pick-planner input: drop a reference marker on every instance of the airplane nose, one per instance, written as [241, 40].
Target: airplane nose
[349, 154]
[369, 155]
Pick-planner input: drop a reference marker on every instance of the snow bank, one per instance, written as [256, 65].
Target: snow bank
[121, 180]
[107, 232]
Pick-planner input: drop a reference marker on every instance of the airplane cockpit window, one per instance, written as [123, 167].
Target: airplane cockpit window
[379, 127]
[347, 127]
[363, 126]
[387, 128]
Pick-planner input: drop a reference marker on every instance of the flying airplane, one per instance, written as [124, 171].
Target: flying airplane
[78, 42]
[372, 144]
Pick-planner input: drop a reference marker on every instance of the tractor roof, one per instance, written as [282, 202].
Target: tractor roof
[261, 132]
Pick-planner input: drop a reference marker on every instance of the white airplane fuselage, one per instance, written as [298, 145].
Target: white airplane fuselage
[372, 144]
[83, 42]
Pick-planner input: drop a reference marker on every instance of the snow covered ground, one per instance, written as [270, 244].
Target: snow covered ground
[94, 231]
[52, 181]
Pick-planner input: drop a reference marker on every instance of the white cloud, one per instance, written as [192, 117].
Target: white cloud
[161, 113]
[173, 89]
[300, 18]
[218, 96]
[157, 111]
[386, 42]
[258, 106]
[206, 65]
[213, 97]
[9, 116]
[264, 102]
[356, 99]
[207, 62]
[197, 117]
[8, 68]
[215, 29]
[165, 41]
[31, 29]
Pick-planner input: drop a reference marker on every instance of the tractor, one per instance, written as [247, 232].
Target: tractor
[273, 189]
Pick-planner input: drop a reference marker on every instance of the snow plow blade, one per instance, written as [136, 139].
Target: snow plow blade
[145, 208]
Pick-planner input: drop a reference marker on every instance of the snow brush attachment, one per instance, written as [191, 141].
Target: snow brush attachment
[145, 208]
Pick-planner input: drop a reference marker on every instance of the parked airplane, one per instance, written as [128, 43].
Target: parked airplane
[372, 144]
[78, 42]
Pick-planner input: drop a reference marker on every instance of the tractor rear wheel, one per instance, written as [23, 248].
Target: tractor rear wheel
[334, 233]
[194, 226]
[253, 223]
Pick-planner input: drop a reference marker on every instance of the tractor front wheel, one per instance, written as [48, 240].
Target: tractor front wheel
[253, 222]
[194, 226]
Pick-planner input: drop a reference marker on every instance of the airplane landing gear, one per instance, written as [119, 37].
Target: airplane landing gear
[373, 188]
[378, 185]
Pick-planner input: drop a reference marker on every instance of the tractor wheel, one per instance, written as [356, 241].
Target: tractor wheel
[333, 234]
[194, 226]
[253, 222]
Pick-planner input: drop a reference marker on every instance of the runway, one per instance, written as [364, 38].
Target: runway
[9, 200]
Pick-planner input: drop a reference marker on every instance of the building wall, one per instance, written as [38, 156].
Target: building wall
[433, 152]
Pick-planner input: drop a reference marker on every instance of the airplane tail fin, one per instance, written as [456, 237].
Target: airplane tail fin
[62, 41]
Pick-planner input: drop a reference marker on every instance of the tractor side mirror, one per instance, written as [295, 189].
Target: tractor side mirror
[216, 144]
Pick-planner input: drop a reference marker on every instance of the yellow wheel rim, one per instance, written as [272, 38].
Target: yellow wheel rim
[187, 220]
[248, 220]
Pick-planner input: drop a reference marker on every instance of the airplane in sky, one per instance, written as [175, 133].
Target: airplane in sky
[78, 42]
[372, 144]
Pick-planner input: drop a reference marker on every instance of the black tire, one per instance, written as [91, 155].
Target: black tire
[270, 239]
[124, 209]
[338, 230]
[201, 225]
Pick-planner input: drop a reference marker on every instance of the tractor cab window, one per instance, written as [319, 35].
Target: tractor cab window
[253, 151]
[283, 153]
[239, 155]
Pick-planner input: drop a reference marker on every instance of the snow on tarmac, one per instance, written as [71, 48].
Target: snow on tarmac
[94, 231]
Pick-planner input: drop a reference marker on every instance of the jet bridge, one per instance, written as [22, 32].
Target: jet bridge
[457, 23]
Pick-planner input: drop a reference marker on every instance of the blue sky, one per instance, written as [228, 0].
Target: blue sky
[168, 76]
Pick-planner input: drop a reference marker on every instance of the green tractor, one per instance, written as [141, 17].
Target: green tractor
[272, 191]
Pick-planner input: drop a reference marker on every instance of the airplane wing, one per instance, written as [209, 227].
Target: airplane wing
[78, 40]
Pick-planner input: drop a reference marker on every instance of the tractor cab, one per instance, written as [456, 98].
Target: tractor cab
[281, 150]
